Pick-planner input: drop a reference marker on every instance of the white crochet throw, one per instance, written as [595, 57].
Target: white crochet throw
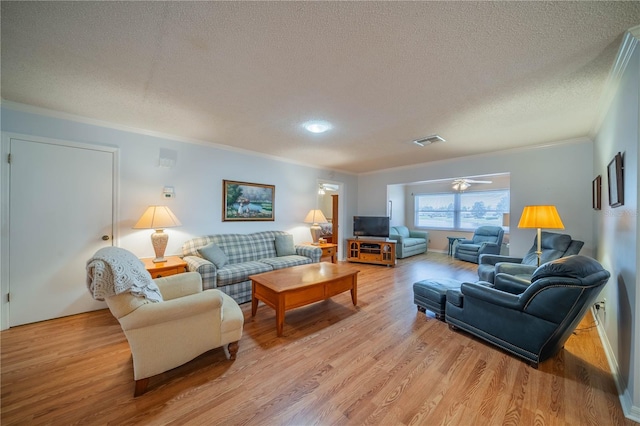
[113, 270]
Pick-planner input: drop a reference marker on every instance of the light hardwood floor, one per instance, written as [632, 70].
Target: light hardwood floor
[381, 362]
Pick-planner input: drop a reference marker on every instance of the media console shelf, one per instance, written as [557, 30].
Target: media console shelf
[371, 251]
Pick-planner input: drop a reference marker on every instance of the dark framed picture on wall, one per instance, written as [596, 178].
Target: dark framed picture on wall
[244, 201]
[615, 176]
[596, 193]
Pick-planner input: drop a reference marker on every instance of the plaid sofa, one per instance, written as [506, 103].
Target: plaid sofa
[247, 254]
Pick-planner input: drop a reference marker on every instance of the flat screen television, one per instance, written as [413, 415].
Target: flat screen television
[371, 226]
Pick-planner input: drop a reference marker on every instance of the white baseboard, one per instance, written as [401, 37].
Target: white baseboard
[630, 411]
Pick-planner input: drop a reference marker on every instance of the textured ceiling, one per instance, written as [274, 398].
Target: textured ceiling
[485, 75]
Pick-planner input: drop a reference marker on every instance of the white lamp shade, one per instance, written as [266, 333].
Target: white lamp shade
[315, 216]
[157, 217]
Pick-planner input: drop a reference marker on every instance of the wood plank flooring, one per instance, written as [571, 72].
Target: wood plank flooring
[380, 363]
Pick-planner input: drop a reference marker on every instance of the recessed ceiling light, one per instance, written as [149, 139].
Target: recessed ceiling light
[317, 126]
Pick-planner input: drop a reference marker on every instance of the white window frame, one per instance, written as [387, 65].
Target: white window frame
[457, 209]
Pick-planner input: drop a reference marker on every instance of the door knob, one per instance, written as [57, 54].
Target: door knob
[105, 238]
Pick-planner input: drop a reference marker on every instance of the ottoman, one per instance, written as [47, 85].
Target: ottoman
[431, 294]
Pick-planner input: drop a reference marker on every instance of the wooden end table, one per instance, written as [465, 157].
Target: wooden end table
[174, 265]
[328, 250]
[290, 288]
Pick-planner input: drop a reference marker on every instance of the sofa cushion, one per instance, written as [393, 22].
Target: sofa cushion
[214, 254]
[410, 242]
[472, 248]
[238, 272]
[403, 231]
[286, 261]
[284, 245]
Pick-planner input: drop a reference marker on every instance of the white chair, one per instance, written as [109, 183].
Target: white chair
[168, 321]
[187, 323]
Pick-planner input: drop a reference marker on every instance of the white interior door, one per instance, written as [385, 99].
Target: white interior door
[61, 206]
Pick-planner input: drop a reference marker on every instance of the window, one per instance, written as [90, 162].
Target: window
[461, 210]
[435, 210]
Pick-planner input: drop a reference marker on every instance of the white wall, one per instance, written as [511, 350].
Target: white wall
[397, 207]
[617, 234]
[558, 174]
[196, 177]
[438, 240]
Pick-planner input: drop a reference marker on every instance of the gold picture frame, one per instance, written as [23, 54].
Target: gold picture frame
[245, 201]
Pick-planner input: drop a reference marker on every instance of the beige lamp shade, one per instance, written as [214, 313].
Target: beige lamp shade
[158, 218]
[540, 217]
[315, 217]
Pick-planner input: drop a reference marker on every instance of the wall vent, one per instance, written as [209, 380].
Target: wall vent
[429, 140]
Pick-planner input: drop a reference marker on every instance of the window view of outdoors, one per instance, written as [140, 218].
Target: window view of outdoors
[435, 210]
[482, 208]
[466, 210]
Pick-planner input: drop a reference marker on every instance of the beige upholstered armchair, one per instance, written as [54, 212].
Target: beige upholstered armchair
[163, 334]
[188, 323]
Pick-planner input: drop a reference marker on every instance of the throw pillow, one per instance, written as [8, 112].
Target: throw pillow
[214, 254]
[284, 245]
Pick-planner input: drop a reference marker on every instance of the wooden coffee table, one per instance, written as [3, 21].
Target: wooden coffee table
[290, 288]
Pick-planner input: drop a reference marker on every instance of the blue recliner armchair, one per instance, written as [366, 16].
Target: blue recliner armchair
[408, 243]
[553, 245]
[485, 240]
[535, 323]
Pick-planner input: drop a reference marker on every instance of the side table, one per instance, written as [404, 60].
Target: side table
[174, 265]
[452, 241]
[328, 250]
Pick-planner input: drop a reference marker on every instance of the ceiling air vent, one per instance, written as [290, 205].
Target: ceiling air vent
[429, 140]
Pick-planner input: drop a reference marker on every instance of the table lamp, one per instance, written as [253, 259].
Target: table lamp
[540, 217]
[315, 217]
[158, 218]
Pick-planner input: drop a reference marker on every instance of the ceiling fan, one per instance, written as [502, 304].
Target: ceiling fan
[463, 184]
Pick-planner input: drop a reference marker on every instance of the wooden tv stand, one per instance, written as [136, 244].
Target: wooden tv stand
[379, 252]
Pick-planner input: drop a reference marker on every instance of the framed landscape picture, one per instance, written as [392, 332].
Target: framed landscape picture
[244, 201]
[616, 181]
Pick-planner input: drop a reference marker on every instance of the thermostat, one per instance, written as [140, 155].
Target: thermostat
[168, 192]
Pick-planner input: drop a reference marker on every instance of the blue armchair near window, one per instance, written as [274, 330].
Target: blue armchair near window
[408, 243]
[485, 240]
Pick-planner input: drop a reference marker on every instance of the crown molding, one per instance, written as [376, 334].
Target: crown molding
[30, 109]
[627, 47]
[578, 140]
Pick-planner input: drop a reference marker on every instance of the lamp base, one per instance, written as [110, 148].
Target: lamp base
[539, 252]
[159, 241]
[316, 231]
